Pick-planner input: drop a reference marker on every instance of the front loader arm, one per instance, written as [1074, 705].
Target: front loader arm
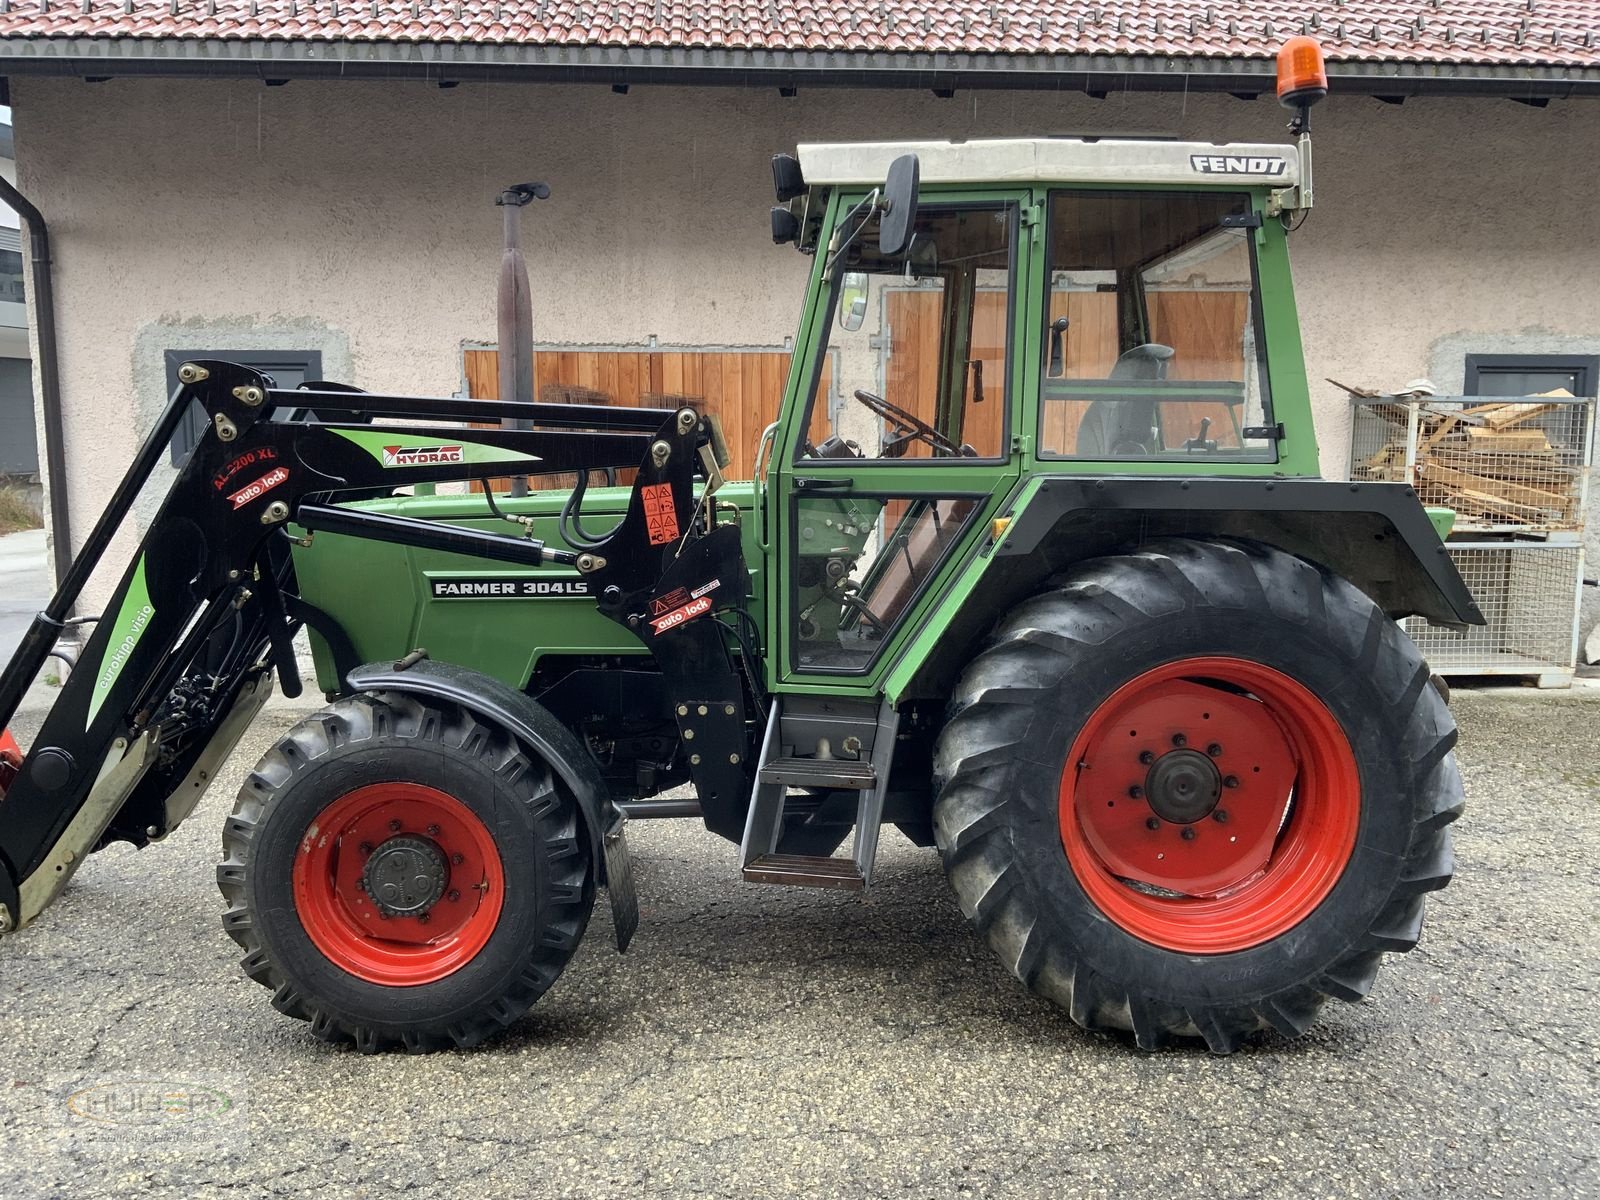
[201, 615]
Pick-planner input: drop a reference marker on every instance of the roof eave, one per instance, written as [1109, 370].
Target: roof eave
[494, 62]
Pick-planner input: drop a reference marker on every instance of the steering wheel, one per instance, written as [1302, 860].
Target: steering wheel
[905, 428]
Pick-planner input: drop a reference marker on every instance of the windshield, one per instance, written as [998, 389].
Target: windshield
[915, 362]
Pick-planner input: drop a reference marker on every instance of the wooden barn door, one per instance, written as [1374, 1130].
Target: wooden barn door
[742, 387]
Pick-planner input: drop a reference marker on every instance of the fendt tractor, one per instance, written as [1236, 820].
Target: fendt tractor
[1035, 566]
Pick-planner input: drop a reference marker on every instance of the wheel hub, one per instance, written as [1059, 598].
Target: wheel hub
[405, 876]
[398, 883]
[1183, 786]
[1209, 804]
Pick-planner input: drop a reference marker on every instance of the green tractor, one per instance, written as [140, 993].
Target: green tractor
[1035, 566]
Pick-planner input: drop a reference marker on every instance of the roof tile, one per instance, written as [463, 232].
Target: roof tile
[1500, 32]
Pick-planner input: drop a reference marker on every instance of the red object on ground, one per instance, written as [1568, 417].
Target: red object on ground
[345, 921]
[10, 760]
[1205, 818]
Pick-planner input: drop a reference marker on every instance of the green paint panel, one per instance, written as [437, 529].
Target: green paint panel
[494, 617]
[400, 450]
[133, 618]
[1443, 520]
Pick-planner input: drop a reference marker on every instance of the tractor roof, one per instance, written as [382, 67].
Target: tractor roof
[1057, 160]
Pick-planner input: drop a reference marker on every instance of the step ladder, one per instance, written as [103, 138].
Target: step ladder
[778, 774]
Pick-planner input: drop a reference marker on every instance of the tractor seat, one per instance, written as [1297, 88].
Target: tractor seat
[1148, 361]
[1117, 428]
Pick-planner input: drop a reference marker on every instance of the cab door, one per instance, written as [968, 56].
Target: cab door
[900, 447]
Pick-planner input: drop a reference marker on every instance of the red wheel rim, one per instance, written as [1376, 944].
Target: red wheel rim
[337, 883]
[1210, 805]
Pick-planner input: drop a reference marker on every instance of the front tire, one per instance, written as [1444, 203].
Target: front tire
[1196, 790]
[401, 873]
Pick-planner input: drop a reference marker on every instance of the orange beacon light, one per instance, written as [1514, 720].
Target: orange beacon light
[1302, 77]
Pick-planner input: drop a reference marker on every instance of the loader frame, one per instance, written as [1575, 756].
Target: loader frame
[207, 611]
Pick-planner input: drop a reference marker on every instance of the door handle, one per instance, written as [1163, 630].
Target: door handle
[813, 484]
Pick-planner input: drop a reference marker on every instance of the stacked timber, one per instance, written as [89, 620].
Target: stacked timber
[1493, 462]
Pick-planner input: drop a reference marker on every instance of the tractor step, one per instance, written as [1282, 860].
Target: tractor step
[781, 771]
[843, 773]
[805, 870]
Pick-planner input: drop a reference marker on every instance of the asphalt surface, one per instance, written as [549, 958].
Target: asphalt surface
[764, 1041]
[24, 589]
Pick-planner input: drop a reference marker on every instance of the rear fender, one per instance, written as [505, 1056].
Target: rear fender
[540, 734]
[1376, 535]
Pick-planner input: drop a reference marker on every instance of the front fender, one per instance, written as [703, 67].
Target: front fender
[540, 733]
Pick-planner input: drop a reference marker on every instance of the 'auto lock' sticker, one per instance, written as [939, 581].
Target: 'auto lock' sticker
[680, 605]
[678, 616]
[259, 488]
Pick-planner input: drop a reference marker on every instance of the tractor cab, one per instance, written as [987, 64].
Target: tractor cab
[1054, 305]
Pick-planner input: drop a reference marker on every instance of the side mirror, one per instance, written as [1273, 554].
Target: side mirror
[852, 301]
[787, 181]
[899, 206]
[785, 225]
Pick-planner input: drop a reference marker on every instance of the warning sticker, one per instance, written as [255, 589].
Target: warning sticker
[673, 599]
[660, 514]
[678, 616]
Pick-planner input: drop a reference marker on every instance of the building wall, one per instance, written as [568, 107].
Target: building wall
[357, 218]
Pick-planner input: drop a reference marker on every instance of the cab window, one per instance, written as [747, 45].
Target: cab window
[1152, 341]
[915, 366]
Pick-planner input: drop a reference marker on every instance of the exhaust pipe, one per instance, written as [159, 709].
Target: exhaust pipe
[514, 310]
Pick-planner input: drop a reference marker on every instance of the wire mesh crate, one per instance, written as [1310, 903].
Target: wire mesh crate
[1517, 465]
[1529, 594]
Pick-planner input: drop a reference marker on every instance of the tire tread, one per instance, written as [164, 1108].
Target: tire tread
[1030, 656]
[367, 719]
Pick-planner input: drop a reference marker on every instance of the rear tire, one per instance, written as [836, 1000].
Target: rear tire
[1212, 940]
[495, 845]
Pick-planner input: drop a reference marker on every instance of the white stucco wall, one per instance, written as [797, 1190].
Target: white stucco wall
[358, 218]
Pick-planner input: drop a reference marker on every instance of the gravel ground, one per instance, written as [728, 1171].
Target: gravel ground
[771, 1041]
